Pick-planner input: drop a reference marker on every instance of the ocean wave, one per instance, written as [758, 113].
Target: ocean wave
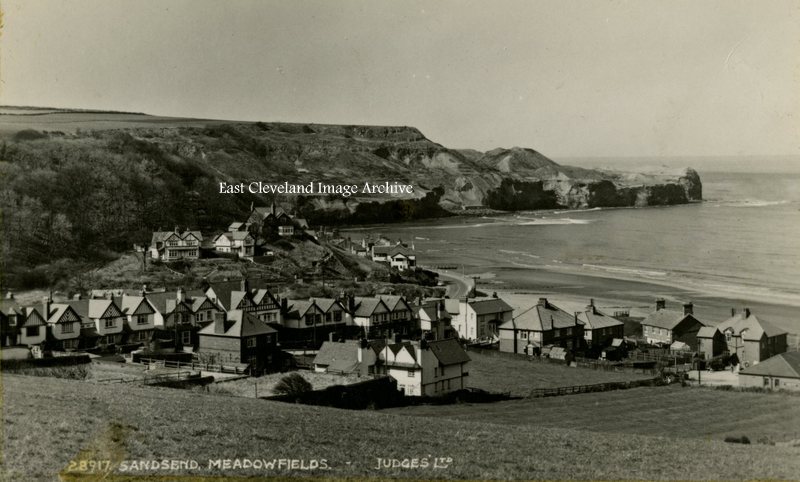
[619, 269]
[754, 203]
[520, 253]
[577, 211]
[547, 222]
[421, 238]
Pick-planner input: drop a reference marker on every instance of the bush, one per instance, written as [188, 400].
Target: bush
[738, 440]
[29, 135]
[293, 385]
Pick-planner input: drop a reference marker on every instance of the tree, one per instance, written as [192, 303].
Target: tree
[293, 385]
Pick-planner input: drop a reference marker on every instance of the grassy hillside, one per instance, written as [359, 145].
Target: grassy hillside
[101, 422]
[672, 411]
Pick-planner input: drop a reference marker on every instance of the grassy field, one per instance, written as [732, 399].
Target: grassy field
[520, 376]
[49, 423]
[246, 387]
[670, 411]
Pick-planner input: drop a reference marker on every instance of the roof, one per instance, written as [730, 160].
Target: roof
[667, 319]
[235, 226]
[298, 308]
[367, 306]
[594, 319]
[95, 308]
[57, 310]
[448, 352]
[707, 332]
[489, 305]
[10, 307]
[341, 357]
[543, 316]
[224, 289]
[392, 300]
[165, 302]
[785, 365]
[240, 324]
[755, 327]
[161, 236]
[325, 304]
[235, 235]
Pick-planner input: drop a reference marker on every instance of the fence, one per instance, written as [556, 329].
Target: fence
[597, 387]
[588, 363]
[153, 379]
[208, 367]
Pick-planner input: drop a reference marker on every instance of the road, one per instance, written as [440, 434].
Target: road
[458, 285]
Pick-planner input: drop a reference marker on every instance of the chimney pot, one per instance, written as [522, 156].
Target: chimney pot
[688, 308]
[9, 296]
[747, 312]
[219, 323]
[733, 312]
[661, 304]
[543, 302]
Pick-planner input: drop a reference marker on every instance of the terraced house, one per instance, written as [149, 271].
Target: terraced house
[382, 317]
[425, 368]
[664, 327]
[11, 317]
[140, 317]
[599, 329]
[752, 339]
[480, 318]
[102, 323]
[252, 296]
[64, 325]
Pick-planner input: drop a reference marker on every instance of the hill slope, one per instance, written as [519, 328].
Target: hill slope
[98, 422]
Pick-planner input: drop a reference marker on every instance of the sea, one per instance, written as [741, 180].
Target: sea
[739, 247]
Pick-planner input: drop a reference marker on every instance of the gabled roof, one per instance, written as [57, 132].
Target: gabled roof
[29, 314]
[367, 306]
[448, 352]
[392, 301]
[595, 319]
[161, 236]
[240, 324]
[298, 308]
[667, 319]
[755, 327]
[166, 302]
[59, 310]
[94, 308]
[224, 289]
[484, 306]
[543, 316]
[235, 236]
[325, 304]
[235, 226]
[785, 365]
[10, 307]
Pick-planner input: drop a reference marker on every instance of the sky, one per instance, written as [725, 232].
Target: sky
[588, 78]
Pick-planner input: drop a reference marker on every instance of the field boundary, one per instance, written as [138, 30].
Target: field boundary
[595, 387]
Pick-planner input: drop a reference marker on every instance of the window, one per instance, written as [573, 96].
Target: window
[777, 382]
[523, 335]
[251, 342]
[67, 328]
[309, 320]
[435, 371]
[141, 319]
[200, 316]
[70, 344]
[142, 336]
[32, 331]
[172, 243]
[186, 337]
[110, 323]
[12, 321]
[569, 331]
[411, 374]
[337, 316]
[328, 317]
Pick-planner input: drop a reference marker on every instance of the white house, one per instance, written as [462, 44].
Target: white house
[479, 318]
[140, 315]
[425, 368]
[402, 260]
[102, 322]
[33, 328]
[240, 243]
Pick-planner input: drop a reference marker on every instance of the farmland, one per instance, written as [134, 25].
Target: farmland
[520, 376]
[658, 411]
[50, 422]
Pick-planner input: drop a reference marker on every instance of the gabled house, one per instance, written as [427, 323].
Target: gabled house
[434, 320]
[203, 308]
[102, 322]
[175, 245]
[779, 372]
[252, 296]
[64, 326]
[240, 243]
[663, 326]
[140, 317]
[240, 338]
[275, 218]
[33, 327]
[752, 339]
[599, 329]
[384, 316]
[402, 259]
[541, 325]
[425, 368]
[11, 317]
[174, 314]
[478, 319]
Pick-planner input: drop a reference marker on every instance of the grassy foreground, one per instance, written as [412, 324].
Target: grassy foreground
[49, 423]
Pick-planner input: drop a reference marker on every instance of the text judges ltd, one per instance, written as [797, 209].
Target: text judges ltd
[344, 190]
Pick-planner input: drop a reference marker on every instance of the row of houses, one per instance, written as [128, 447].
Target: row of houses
[382, 250]
[239, 239]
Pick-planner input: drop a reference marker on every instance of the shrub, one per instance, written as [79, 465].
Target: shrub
[29, 135]
[293, 384]
[738, 440]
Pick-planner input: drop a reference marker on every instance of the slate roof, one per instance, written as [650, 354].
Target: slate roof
[366, 306]
[786, 365]
[339, 357]
[235, 226]
[594, 319]
[91, 308]
[224, 289]
[667, 319]
[234, 235]
[755, 327]
[10, 307]
[57, 310]
[486, 306]
[165, 302]
[161, 236]
[707, 332]
[298, 308]
[541, 317]
[240, 324]
[325, 304]
[448, 352]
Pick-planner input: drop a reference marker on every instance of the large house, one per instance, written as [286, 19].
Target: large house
[711, 342]
[238, 337]
[425, 368]
[275, 218]
[540, 325]
[102, 322]
[480, 318]
[252, 296]
[752, 339]
[140, 317]
[383, 316]
[780, 372]
[599, 329]
[664, 327]
[240, 243]
[434, 320]
[33, 328]
[175, 245]
[64, 326]
[347, 357]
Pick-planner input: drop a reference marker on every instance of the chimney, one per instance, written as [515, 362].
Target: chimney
[439, 309]
[284, 305]
[591, 307]
[144, 289]
[733, 312]
[46, 306]
[576, 318]
[330, 336]
[244, 285]
[494, 295]
[219, 323]
[543, 302]
[747, 312]
[179, 295]
[177, 229]
[9, 296]
[688, 308]
[661, 304]
[76, 296]
[351, 304]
